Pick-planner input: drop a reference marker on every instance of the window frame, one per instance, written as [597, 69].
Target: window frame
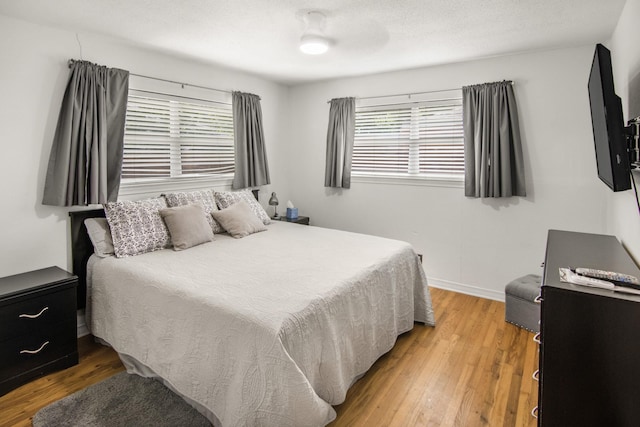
[407, 101]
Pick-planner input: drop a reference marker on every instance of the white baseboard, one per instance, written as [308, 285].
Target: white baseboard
[466, 289]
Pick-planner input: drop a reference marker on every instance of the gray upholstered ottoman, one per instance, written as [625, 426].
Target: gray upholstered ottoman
[520, 308]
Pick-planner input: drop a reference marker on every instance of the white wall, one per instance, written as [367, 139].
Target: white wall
[471, 245]
[624, 219]
[32, 81]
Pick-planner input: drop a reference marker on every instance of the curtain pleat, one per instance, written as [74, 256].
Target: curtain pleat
[494, 165]
[86, 154]
[251, 166]
[340, 135]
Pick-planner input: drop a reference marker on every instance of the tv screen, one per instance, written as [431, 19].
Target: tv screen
[607, 122]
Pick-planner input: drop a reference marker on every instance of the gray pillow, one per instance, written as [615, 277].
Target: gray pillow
[203, 197]
[239, 220]
[187, 226]
[224, 199]
[100, 236]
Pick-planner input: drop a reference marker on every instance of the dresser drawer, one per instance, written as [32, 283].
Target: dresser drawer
[30, 351]
[43, 309]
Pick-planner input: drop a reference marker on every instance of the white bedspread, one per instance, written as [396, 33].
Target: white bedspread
[268, 330]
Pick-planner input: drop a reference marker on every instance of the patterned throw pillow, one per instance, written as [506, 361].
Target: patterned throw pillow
[203, 197]
[224, 199]
[137, 227]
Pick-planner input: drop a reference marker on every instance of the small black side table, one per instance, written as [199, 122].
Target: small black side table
[300, 220]
[38, 332]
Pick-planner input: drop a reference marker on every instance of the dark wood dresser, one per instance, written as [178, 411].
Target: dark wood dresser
[38, 332]
[589, 338]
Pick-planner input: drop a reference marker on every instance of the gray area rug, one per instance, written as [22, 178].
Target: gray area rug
[122, 400]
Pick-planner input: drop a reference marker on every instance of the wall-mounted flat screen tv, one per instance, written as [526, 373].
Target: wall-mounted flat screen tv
[608, 125]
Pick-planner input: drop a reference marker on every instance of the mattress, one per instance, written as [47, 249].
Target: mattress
[268, 330]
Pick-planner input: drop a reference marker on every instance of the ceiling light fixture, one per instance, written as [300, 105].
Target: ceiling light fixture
[313, 41]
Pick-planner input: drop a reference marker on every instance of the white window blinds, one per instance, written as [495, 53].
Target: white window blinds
[422, 139]
[169, 137]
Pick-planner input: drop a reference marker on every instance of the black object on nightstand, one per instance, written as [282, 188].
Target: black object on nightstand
[299, 220]
[38, 331]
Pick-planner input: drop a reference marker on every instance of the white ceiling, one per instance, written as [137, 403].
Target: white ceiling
[369, 36]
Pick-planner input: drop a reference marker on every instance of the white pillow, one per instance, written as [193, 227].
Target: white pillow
[100, 236]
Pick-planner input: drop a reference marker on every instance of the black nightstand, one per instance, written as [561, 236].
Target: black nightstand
[38, 331]
[300, 220]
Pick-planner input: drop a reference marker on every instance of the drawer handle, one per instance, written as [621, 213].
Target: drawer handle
[534, 412]
[34, 316]
[536, 375]
[35, 351]
[536, 338]
[538, 299]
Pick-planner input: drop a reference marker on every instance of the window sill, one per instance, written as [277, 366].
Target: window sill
[173, 185]
[432, 181]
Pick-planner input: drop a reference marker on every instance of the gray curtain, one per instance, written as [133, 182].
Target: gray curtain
[86, 155]
[340, 134]
[492, 145]
[251, 166]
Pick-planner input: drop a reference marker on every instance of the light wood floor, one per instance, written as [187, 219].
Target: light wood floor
[472, 369]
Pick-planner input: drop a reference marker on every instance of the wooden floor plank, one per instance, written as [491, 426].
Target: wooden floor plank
[472, 369]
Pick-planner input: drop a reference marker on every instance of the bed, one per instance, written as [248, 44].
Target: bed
[268, 330]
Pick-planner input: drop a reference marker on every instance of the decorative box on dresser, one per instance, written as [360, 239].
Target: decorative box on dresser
[589, 338]
[38, 332]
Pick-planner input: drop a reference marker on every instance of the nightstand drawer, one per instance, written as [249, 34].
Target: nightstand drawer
[19, 355]
[32, 314]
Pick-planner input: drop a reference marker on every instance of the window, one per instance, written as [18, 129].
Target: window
[411, 140]
[176, 138]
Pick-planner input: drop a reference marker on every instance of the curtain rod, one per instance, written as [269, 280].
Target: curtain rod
[72, 61]
[402, 94]
[155, 92]
[414, 93]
